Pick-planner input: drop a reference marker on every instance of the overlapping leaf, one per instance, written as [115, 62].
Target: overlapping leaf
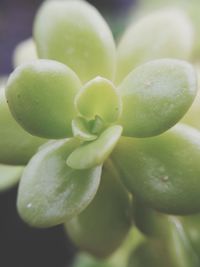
[50, 192]
[103, 225]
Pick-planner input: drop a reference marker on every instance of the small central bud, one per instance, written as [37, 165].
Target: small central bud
[97, 125]
[99, 97]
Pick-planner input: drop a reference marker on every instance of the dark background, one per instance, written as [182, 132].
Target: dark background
[20, 245]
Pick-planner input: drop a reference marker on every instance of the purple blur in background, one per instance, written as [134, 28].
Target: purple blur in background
[16, 19]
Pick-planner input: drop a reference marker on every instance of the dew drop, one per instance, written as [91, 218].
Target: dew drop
[29, 205]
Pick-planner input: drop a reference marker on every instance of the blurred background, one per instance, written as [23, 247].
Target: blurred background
[16, 19]
[20, 245]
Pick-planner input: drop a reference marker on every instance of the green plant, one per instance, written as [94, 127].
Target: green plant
[111, 109]
[16, 145]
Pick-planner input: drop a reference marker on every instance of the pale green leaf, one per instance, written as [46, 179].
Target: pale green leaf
[16, 145]
[41, 95]
[80, 129]
[9, 176]
[50, 192]
[74, 33]
[161, 34]
[96, 152]
[99, 97]
[24, 52]
[156, 96]
[163, 171]
[104, 224]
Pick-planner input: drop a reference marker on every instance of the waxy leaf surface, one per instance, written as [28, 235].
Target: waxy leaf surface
[16, 145]
[162, 34]
[155, 96]
[24, 52]
[96, 152]
[191, 225]
[74, 33]
[149, 253]
[40, 96]
[50, 192]
[103, 225]
[80, 129]
[163, 172]
[178, 246]
[99, 98]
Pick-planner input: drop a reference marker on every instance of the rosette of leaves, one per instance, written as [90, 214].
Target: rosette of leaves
[105, 111]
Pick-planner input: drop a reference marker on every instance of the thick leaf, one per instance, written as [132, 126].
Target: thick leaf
[16, 145]
[40, 96]
[191, 225]
[97, 125]
[149, 254]
[163, 172]
[172, 233]
[99, 97]
[162, 34]
[171, 248]
[118, 259]
[74, 33]
[24, 52]
[155, 96]
[86, 260]
[178, 246]
[191, 8]
[151, 223]
[192, 116]
[80, 129]
[96, 152]
[9, 176]
[103, 225]
[169, 231]
[50, 192]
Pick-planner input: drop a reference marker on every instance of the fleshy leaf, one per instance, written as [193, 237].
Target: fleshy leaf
[151, 223]
[16, 145]
[191, 8]
[192, 116]
[97, 125]
[99, 97]
[172, 249]
[149, 253]
[96, 152]
[24, 52]
[80, 129]
[103, 225]
[191, 225]
[74, 33]
[156, 96]
[9, 176]
[163, 171]
[50, 192]
[40, 95]
[162, 34]
[83, 259]
[177, 243]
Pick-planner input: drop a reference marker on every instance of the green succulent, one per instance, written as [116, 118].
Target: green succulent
[109, 113]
